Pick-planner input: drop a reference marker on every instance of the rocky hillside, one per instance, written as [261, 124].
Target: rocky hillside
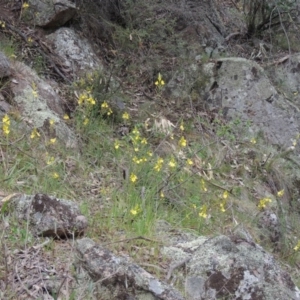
[149, 149]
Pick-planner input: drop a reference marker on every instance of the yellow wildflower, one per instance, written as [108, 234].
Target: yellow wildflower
[86, 121]
[81, 99]
[162, 195]
[51, 122]
[134, 211]
[2, 24]
[263, 202]
[91, 100]
[6, 124]
[133, 178]
[297, 247]
[222, 206]
[53, 141]
[117, 145]
[182, 142]
[189, 162]
[5, 129]
[55, 175]
[125, 116]
[203, 185]
[181, 126]
[172, 163]
[225, 195]
[66, 117]
[280, 193]
[104, 105]
[34, 133]
[158, 164]
[159, 81]
[50, 160]
[135, 131]
[253, 141]
[6, 120]
[144, 141]
[203, 212]
[25, 5]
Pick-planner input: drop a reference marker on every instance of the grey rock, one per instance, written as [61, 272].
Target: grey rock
[39, 108]
[49, 216]
[51, 14]
[231, 268]
[119, 277]
[5, 70]
[75, 51]
[242, 89]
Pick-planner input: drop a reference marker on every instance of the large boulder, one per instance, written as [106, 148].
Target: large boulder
[228, 268]
[51, 14]
[39, 103]
[75, 51]
[241, 89]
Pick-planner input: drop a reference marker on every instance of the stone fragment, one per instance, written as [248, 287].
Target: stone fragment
[49, 216]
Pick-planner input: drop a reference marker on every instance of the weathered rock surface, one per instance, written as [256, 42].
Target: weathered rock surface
[241, 89]
[4, 66]
[49, 216]
[39, 103]
[76, 51]
[119, 277]
[51, 14]
[231, 268]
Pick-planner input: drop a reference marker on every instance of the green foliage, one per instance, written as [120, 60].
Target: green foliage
[262, 15]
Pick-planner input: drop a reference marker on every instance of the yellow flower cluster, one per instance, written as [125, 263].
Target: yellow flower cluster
[182, 142]
[6, 124]
[263, 202]
[172, 163]
[203, 185]
[203, 212]
[159, 82]
[158, 164]
[106, 109]
[125, 116]
[34, 134]
[134, 211]
[86, 99]
[25, 5]
[133, 178]
[297, 247]
[139, 160]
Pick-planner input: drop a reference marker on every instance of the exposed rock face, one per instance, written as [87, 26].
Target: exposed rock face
[119, 277]
[76, 52]
[39, 103]
[52, 14]
[241, 89]
[49, 216]
[231, 268]
[4, 66]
